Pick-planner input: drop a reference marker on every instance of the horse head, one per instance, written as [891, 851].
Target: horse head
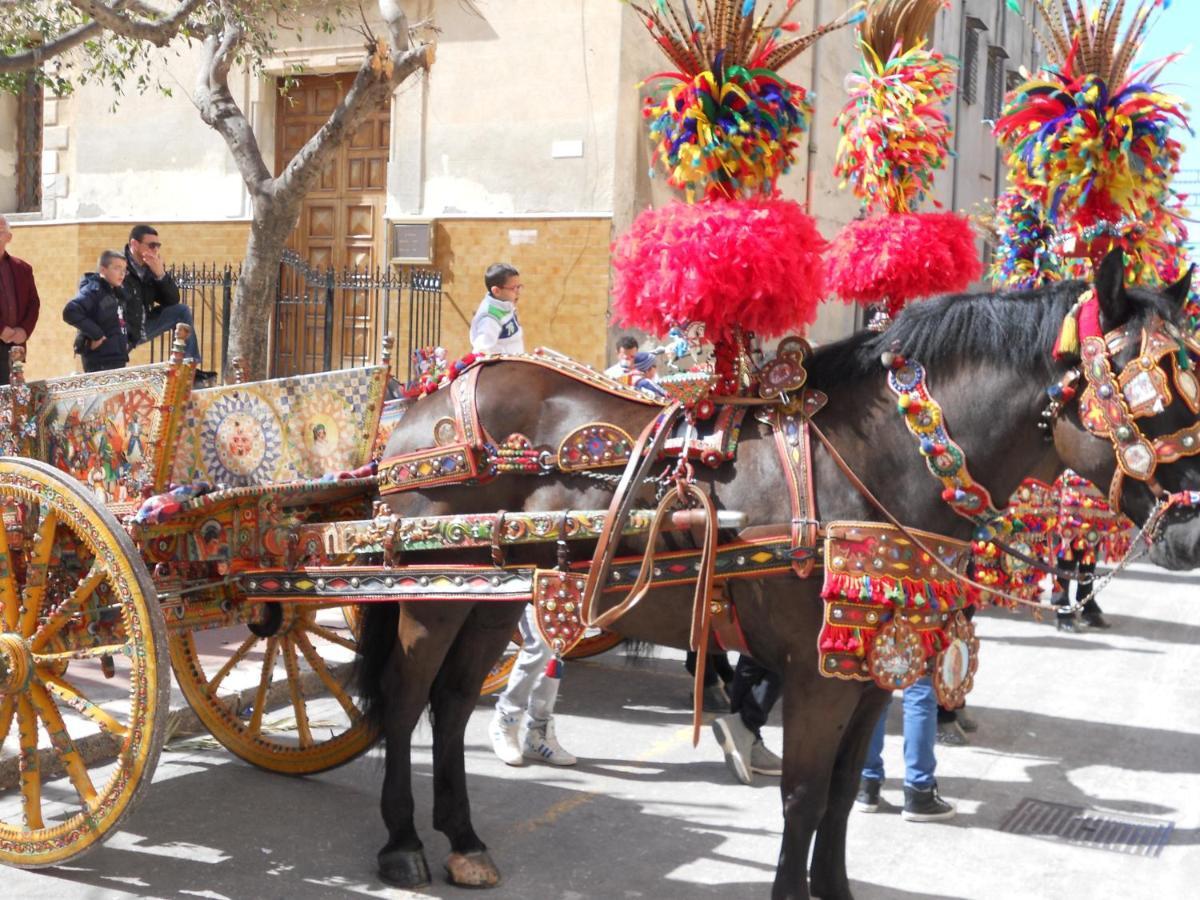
[1136, 423]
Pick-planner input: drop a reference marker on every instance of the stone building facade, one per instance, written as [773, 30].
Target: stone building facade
[524, 143]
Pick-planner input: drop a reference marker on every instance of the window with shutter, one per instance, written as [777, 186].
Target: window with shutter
[994, 89]
[969, 74]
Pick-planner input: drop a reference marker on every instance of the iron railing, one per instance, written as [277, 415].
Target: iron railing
[323, 319]
[208, 291]
[326, 319]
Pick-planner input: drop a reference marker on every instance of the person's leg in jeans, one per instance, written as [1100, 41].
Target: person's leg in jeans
[920, 733]
[921, 800]
[165, 318]
[873, 764]
[867, 798]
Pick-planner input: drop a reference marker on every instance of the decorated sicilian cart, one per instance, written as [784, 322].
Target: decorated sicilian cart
[108, 581]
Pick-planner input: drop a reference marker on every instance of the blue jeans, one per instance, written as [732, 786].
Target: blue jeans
[165, 318]
[920, 735]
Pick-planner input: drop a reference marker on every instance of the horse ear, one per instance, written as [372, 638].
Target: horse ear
[1110, 290]
[1179, 291]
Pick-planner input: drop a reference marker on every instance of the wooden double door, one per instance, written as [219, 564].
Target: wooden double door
[341, 220]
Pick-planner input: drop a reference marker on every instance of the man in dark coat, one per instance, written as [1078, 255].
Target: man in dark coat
[153, 296]
[98, 311]
[19, 303]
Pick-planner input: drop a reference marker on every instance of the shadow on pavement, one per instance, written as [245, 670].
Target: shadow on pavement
[234, 831]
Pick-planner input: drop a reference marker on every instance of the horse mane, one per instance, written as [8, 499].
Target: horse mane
[1016, 329]
[1011, 329]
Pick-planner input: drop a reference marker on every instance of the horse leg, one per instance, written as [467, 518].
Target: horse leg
[829, 879]
[816, 712]
[455, 692]
[424, 635]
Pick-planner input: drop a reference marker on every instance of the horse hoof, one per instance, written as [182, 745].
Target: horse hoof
[472, 870]
[404, 868]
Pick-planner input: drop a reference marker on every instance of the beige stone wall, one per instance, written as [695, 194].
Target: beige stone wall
[61, 252]
[563, 265]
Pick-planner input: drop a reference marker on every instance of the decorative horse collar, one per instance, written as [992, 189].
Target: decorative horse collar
[944, 458]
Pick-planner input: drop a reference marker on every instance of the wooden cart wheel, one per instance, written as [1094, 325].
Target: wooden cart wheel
[277, 693]
[593, 644]
[83, 691]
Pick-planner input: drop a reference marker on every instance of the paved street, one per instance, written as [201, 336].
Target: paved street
[1105, 720]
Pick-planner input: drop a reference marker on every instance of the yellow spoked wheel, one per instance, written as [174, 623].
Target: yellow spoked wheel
[595, 642]
[83, 693]
[277, 693]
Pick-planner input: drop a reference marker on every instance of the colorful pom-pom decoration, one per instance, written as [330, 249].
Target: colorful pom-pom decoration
[727, 124]
[736, 265]
[1090, 143]
[894, 131]
[897, 258]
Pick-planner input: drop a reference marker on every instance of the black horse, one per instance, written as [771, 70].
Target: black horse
[989, 359]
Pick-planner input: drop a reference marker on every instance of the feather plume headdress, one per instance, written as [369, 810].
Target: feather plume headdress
[895, 135]
[1089, 137]
[726, 123]
[894, 131]
[725, 126]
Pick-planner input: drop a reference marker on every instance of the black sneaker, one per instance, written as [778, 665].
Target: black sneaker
[1067, 624]
[925, 805]
[951, 734]
[1096, 620]
[204, 378]
[867, 799]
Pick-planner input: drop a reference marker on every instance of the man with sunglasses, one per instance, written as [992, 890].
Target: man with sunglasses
[153, 296]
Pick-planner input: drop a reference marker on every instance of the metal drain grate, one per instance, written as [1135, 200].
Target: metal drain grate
[1083, 827]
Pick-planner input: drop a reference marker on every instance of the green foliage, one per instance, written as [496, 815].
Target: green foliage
[125, 60]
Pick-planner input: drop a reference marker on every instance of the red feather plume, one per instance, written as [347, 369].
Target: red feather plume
[900, 257]
[754, 265]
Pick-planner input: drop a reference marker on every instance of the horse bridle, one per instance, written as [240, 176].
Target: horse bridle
[1112, 403]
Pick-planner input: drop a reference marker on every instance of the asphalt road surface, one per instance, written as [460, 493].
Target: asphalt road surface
[1109, 721]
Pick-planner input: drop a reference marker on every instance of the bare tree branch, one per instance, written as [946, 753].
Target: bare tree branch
[379, 75]
[152, 27]
[220, 111]
[126, 18]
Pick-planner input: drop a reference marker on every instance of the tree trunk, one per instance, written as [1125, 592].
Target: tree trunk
[251, 315]
[277, 201]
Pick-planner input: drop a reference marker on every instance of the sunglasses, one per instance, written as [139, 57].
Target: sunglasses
[153, 245]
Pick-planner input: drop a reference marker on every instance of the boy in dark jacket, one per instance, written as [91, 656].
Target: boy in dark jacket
[98, 311]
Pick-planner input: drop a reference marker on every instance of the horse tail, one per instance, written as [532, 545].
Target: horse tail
[377, 636]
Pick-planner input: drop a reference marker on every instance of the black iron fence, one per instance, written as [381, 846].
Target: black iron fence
[332, 320]
[208, 291]
[323, 319]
